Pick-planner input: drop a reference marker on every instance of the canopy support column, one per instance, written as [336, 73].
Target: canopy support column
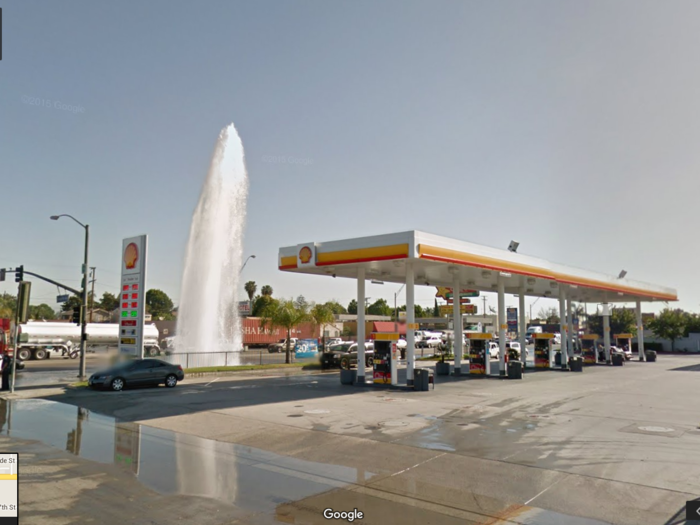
[522, 328]
[501, 327]
[640, 333]
[410, 320]
[361, 336]
[457, 324]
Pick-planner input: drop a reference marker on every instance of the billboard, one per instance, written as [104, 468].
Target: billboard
[466, 309]
[132, 295]
[244, 308]
[446, 292]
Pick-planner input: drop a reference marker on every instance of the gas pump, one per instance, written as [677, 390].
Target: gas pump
[619, 341]
[543, 350]
[588, 349]
[386, 357]
[478, 348]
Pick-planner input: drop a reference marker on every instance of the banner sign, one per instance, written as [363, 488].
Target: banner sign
[512, 316]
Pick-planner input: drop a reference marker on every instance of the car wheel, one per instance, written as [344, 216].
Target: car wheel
[152, 352]
[117, 384]
[24, 354]
[369, 361]
[345, 363]
[171, 381]
[40, 354]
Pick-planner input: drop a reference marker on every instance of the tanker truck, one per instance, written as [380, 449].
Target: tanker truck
[39, 340]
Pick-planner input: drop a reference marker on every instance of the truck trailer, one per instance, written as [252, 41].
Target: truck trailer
[39, 340]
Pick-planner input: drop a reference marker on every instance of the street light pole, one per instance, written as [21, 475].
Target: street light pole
[84, 307]
[83, 328]
[246, 262]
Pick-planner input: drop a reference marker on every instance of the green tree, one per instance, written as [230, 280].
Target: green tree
[322, 316]
[108, 302]
[336, 307]
[379, 307]
[669, 324]
[622, 321]
[260, 303]
[250, 289]
[436, 310]
[41, 312]
[692, 324]
[285, 314]
[8, 304]
[549, 315]
[352, 307]
[159, 304]
[74, 302]
[266, 290]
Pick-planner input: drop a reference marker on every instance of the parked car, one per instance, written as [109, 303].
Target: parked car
[514, 345]
[432, 342]
[281, 345]
[137, 372]
[331, 357]
[494, 350]
[347, 361]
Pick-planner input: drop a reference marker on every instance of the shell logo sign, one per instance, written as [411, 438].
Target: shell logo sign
[131, 256]
[306, 255]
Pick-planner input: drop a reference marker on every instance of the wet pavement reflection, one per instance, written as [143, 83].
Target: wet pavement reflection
[174, 463]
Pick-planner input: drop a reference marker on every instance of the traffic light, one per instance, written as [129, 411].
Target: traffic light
[2, 274]
[76, 315]
[19, 274]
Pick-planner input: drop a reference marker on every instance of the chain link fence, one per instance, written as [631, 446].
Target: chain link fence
[207, 359]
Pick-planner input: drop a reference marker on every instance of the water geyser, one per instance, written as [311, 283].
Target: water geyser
[207, 319]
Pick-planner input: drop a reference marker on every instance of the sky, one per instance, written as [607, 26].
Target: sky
[571, 127]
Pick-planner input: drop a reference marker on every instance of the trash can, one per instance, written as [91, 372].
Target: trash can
[576, 364]
[515, 370]
[442, 369]
[348, 377]
[650, 355]
[421, 379]
[618, 360]
[557, 359]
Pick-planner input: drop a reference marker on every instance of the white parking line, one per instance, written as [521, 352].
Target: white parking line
[214, 381]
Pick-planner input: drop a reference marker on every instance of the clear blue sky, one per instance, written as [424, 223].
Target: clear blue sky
[572, 127]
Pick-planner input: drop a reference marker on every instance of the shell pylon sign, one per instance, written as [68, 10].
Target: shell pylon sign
[132, 295]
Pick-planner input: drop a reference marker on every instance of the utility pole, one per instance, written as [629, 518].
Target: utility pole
[92, 293]
[483, 314]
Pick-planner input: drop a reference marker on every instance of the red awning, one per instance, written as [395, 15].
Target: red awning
[388, 327]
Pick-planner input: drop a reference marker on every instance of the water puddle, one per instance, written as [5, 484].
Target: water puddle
[173, 463]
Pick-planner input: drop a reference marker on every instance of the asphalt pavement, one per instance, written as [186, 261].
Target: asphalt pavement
[610, 445]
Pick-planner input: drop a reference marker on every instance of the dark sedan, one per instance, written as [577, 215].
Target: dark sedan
[137, 372]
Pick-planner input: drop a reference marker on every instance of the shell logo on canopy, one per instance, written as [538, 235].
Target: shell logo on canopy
[131, 256]
[306, 255]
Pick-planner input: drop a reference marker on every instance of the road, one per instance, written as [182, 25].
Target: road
[615, 445]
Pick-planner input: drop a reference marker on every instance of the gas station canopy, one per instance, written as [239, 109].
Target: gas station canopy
[438, 261]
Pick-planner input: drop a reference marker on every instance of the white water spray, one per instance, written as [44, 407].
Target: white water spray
[207, 318]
